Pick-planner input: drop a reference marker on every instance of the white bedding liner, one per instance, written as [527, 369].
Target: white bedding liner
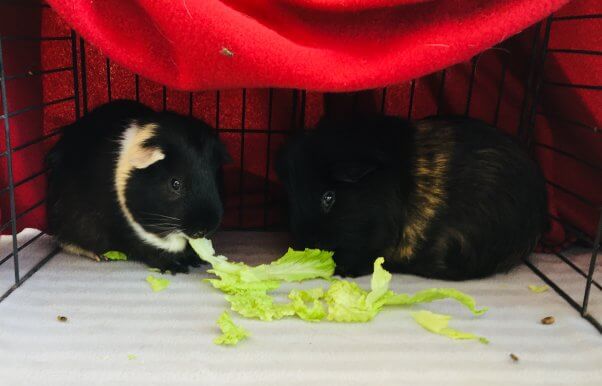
[112, 313]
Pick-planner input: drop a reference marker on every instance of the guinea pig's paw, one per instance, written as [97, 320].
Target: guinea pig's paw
[191, 260]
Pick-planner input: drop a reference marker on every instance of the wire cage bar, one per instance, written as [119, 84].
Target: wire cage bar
[530, 110]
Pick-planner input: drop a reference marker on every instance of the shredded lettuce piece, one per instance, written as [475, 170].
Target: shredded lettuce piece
[301, 301]
[437, 323]
[538, 288]
[258, 305]
[157, 283]
[432, 294]
[231, 333]
[231, 284]
[237, 277]
[293, 266]
[348, 302]
[115, 255]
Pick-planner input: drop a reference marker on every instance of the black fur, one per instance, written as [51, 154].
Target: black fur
[82, 202]
[493, 213]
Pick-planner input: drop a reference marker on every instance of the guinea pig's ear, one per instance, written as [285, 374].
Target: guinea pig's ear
[144, 157]
[352, 171]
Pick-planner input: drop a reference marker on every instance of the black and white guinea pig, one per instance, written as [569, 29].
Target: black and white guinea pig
[129, 179]
[444, 197]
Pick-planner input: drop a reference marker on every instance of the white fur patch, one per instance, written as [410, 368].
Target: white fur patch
[133, 155]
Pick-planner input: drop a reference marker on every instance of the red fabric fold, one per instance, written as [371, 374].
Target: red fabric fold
[327, 45]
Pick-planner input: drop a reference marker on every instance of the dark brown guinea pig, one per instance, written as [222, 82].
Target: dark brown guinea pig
[126, 178]
[444, 197]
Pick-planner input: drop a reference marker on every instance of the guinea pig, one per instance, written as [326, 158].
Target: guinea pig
[126, 178]
[444, 197]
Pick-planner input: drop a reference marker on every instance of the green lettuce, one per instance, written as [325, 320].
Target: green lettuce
[258, 305]
[236, 278]
[115, 255]
[231, 333]
[308, 305]
[343, 301]
[432, 294]
[157, 283]
[437, 323]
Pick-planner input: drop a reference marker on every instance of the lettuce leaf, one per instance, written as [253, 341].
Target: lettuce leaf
[432, 294]
[348, 302]
[115, 255]
[538, 288]
[437, 323]
[258, 305]
[301, 301]
[231, 333]
[238, 277]
[157, 283]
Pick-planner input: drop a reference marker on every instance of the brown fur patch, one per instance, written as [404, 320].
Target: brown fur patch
[430, 165]
[133, 155]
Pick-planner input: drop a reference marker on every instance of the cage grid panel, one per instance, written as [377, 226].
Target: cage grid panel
[288, 111]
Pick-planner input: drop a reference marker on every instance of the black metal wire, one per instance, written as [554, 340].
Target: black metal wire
[29, 274]
[592, 266]
[572, 51]
[24, 180]
[241, 174]
[573, 194]
[568, 155]
[28, 242]
[37, 140]
[217, 102]
[563, 295]
[524, 119]
[266, 181]
[75, 74]
[568, 261]
[578, 17]
[34, 38]
[500, 93]
[530, 127]
[137, 86]
[383, 101]
[164, 98]
[303, 102]
[38, 73]
[82, 58]
[411, 102]
[9, 165]
[581, 125]
[473, 73]
[35, 107]
[573, 85]
[441, 92]
[108, 66]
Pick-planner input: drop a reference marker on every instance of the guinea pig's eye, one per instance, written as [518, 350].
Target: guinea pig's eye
[328, 199]
[176, 184]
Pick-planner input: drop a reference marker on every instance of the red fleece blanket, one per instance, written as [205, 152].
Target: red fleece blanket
[327, 45]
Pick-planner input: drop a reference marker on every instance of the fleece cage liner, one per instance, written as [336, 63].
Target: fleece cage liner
[119, 332]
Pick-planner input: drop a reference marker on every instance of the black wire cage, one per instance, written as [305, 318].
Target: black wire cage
[294, 104]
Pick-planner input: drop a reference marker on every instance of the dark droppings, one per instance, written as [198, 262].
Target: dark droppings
[61, 318]
[513, 357]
